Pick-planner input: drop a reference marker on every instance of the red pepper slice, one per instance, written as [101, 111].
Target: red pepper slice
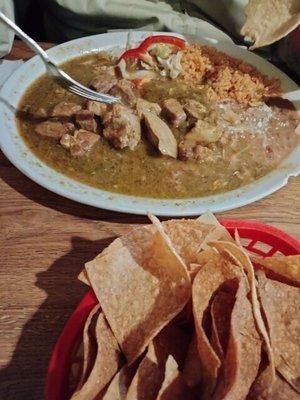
[149, 41]
[131, 53]
[173, 40]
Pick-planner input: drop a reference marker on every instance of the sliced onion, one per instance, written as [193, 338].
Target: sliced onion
[172, 65]
[147, 58]
[122, 68]
[138, 74]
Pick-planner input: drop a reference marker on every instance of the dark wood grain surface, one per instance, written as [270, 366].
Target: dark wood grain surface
[45, 240]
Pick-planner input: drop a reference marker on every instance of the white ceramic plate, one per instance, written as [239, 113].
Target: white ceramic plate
[18, 153]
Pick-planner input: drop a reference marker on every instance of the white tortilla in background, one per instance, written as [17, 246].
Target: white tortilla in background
[270, 20]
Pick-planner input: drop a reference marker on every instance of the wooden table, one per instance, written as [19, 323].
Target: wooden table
[45, 240]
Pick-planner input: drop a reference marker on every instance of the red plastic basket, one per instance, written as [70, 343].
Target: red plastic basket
[258, 238]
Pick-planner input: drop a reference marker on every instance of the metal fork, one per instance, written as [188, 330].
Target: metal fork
[72, 85]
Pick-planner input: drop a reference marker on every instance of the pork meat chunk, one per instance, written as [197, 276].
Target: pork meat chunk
[160, 135]
[38, 114]
[205, 132]
[85, 119]
[104, 81]
[97, 108]
[126, 91]
[53, 129]
[65, 109]
[195, 145]
[143, 106]
[174, 112]
[194, 109]
[194, 150]
[122, 127]
[80, 143]
[197, 142]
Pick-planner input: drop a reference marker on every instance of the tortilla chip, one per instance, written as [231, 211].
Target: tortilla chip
[286, 266]
[118, 387]
[194, 269]
[202, 258]
[221, 308]
[187, 236]
[210, 277]
[82, 277]
[207, 255]
[107, 362]
[280, 390]
[172, 340]
[208, 218]
[173, 386]
[113, 246]
[219, 233]
[280, 303]
[243, 354]
[216, 234]
[149, 375]
[240, 257]
[137, 240]
[270, 20]
[89, 346]
[193, 369]
[75, 367]
[140, 287]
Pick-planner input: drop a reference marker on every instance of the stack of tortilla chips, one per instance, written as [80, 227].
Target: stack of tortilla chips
[182, 315]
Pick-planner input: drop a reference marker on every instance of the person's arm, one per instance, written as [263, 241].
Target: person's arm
[6, 35]
[74, 18]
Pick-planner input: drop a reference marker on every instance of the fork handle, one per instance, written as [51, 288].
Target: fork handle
[22, 35]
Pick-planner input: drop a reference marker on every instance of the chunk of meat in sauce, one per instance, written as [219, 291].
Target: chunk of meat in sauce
[122, 127]
[60, 91]
[53, 129]
[126, 91]
[85, 119]
[205, 132]
[161, 135]
[65, 109]
[39, 113]
[193, 146]
[67, 140]
[174, 112]
[104, 81]
[34, 113]
[97, 108]
[194, 109]
[80, 143]
[194, 150]
[143, 106]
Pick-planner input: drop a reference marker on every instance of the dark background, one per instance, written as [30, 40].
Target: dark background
[29, 16]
